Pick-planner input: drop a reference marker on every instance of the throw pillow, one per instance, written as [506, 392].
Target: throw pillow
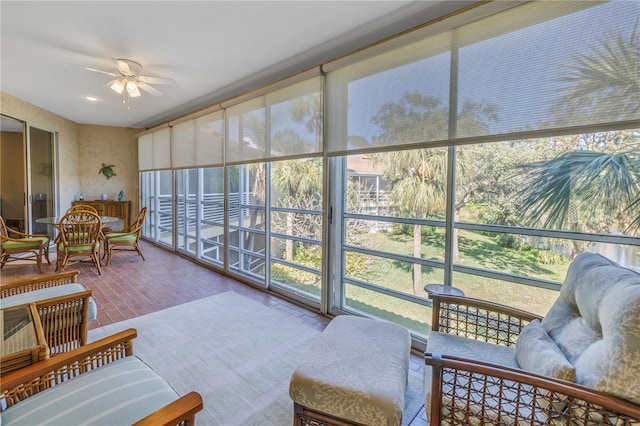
[537, 353]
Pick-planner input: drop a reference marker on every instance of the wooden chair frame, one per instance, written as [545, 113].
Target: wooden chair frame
[64, 319]
[460, 387]
[80, 236]
[38, 246]
[111, 240]
[22, 384]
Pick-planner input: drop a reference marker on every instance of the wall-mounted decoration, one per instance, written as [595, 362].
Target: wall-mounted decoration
[107, 170]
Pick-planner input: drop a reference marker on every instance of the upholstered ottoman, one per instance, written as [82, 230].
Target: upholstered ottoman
[355, 373]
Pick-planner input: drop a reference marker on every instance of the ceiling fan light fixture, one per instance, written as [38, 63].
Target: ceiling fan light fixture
[118, 86]
[132, 89]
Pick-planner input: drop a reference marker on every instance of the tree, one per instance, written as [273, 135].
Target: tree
[585, 188]
[418, 177]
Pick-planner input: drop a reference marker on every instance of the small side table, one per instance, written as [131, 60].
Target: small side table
[23, 341]
[443, 289]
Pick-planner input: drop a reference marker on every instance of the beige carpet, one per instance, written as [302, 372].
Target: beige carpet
[237, 353]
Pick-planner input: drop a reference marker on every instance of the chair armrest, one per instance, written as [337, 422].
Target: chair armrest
[28, 381]
[467, 389]
[182, 411]
[22, 286]
[478, 319]
[64, 321]
[20, 235]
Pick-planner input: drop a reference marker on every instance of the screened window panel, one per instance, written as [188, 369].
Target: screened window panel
[538, 66]
[572, 69]
[183, 153]
[209, 140]
[295, 118]
[246, 131]
[162, 149]
[154, 150]
[283, 123]
[145, 152]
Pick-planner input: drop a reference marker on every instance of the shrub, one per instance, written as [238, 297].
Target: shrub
[508, 241]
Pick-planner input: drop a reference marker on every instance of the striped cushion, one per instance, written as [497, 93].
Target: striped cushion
[48, 293]
[119, 393]
[25, 243]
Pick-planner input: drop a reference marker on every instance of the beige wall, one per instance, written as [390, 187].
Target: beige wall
[82, 149]
[115, 146]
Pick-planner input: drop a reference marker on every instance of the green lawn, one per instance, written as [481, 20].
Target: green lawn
[475, 250]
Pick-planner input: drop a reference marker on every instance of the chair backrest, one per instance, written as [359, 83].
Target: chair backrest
[79, 207]
[3, 228]
[137, 224]
[80, 228]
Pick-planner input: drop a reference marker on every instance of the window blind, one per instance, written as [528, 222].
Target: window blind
[198, 142]
[530, 68]
[154, 150]
[282, 123]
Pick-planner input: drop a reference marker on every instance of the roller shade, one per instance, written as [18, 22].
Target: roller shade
[530, 68]
[154, 150]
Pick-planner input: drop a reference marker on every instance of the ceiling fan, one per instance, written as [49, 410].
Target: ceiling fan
[129, 81]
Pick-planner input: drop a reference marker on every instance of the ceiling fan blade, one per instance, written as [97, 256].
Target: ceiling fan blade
[156, 80]
[123, 67]
[102, 72]
[144, 86]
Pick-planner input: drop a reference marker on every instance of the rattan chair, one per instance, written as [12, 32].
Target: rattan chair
[80, 235]
[126, 240]
[80, 207]
[14, 245]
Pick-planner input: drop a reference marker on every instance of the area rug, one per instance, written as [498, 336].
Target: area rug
[237, 353]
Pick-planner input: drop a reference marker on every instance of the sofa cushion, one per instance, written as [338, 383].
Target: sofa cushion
[48, 293]
[596, 322]
[119, 393]
[537, 353]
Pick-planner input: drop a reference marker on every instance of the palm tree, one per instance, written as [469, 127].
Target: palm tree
[603, 179]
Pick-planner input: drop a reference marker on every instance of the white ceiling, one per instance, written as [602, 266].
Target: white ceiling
[212, 49]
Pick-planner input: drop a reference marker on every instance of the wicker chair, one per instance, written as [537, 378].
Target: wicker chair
[80, 235]
[126, 240]
[13, 244]
[64, 307]
[80, 207]
[493, 364]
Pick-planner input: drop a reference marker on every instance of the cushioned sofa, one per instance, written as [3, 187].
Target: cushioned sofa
[98, 383]
[579, 365]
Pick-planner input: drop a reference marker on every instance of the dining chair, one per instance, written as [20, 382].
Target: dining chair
[79, 207]
[126, 240]
[14, 245]
[80, 234]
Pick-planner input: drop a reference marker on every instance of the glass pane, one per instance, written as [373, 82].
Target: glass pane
[580, 183]
[155, 194]
[41, 145]
[532, 299]
[211, 226]
[417, 318]
[378, 270]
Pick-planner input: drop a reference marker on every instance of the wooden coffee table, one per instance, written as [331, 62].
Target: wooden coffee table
[23, 341]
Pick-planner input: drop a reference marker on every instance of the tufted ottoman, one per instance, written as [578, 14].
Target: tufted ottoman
[355, 373]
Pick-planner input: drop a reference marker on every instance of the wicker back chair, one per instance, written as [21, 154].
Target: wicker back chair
[126, 240]
[80, 234]
[80, 207]
[14, 244]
